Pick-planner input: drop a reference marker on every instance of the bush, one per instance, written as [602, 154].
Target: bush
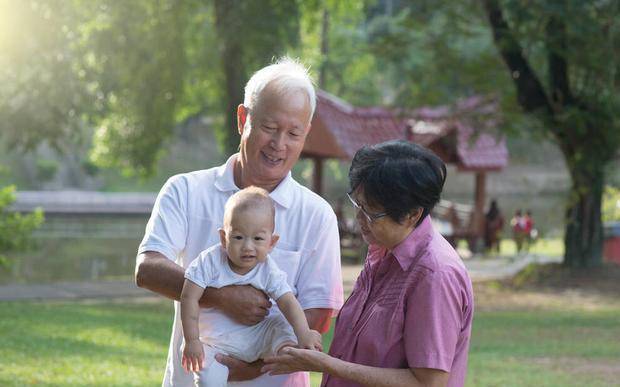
[15, 228]
[611, 204]
[46, 169]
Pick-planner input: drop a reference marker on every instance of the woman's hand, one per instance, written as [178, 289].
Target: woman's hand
[295, 360]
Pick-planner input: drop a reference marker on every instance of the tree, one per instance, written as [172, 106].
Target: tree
[246, 43]
[564, 60]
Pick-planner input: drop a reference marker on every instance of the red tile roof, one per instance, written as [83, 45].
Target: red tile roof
[471, 123]
[354, 127]
[340, 129]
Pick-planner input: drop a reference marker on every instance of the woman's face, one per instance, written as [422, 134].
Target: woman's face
[382, 231]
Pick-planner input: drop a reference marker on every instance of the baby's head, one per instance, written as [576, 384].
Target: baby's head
[247, 234]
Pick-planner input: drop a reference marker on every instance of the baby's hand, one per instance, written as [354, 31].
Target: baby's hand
[311, 339]
[193, 356]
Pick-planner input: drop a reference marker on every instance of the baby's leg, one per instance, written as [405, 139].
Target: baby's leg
[215, 375]
[279, 335]
[285, 344]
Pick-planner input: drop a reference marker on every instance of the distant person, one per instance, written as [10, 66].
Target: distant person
[531, 234]
[241, 258]
[517, 223]
[494, 223]
[408, 320]
[273, 122]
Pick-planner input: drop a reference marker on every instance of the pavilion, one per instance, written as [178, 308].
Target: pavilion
[464, 135]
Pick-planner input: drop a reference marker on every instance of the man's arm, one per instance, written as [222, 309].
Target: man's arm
[319, 319]
[245, 304]
[158, 274]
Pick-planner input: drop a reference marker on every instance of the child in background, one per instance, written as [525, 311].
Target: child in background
[240, 259]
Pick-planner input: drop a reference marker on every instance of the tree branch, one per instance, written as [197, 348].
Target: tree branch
[559, 84]
[530, 92]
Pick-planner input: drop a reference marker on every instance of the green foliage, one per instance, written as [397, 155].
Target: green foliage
[611, 204]
[137, 47]
[44, 91]
[15, 228]
[46, 169]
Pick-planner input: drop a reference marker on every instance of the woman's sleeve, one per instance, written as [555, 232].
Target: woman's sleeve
[433, 321]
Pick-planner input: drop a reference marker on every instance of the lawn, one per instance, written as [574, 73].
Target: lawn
[520, 338]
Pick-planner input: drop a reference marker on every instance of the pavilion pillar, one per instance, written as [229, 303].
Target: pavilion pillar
[317, 176]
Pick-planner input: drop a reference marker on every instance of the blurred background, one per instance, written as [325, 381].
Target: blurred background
[102, 101]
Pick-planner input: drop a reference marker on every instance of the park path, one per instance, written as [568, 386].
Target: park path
[480, 269]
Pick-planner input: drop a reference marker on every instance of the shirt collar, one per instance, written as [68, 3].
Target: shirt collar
[225, 181]
[408, 251]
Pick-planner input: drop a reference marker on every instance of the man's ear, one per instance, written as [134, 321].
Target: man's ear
[274, 239]
[242, 116]
[222, 237]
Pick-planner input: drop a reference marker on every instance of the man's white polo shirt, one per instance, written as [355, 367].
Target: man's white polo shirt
[185, 220]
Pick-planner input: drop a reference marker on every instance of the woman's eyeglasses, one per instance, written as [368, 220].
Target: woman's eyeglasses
[369, 216]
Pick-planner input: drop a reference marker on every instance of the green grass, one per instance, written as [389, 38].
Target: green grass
[534, 348]
[79, 344]
[550, 247]
[119, 344]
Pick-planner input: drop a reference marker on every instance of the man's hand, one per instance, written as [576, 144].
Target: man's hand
[238, 370]
[244, 303]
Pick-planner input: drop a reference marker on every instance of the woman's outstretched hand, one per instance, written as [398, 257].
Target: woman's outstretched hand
[294, 360]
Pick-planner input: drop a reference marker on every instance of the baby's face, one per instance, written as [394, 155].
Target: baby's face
[248, 238]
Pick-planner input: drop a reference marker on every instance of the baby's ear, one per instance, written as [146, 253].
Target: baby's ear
[274, 240]
[222, 237]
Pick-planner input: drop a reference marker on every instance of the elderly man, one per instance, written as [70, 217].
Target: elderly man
[273, 122]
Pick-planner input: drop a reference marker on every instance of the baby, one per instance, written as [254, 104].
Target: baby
[241, 258]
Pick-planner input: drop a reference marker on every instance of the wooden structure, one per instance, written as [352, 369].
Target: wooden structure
[80, 214]
[462, 135]
[340, 129]
[459, 134]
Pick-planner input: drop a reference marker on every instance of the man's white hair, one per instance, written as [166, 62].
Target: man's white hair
[285, 75]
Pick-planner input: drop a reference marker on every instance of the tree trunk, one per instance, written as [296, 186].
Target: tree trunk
[583, 238]
[231, 51]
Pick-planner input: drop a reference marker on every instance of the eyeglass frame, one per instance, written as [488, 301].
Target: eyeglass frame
[370, 217]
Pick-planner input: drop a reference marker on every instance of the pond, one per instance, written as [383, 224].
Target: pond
[104, 248]
[78, 249]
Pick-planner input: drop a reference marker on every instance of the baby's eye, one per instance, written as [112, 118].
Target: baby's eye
[237, 237]
[259, 238]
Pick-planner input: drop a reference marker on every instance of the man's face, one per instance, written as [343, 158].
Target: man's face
[273, 134]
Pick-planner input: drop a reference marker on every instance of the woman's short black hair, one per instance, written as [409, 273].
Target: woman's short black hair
[399, 176]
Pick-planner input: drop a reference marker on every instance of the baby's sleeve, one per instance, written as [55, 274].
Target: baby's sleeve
[200, 270]
[276, 285]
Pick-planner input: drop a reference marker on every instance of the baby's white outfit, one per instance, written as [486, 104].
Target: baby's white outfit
[221, 334]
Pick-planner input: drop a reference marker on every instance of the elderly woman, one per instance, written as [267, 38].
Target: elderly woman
[408, 320]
